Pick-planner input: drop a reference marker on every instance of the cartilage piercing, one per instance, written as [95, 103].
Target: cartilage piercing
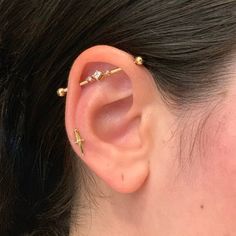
[79, 140]
[99, 75]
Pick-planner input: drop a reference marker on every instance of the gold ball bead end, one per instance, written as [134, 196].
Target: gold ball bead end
[61, 92]
[138, 61]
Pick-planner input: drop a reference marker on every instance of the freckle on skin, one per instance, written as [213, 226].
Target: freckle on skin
[122, 177]
[202, 206]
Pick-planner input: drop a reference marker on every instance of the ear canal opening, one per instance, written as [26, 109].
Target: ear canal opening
[112, 125]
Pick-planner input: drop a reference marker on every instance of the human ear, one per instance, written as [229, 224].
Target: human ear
[112, 116]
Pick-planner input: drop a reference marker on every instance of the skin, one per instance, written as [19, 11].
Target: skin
[156, 172]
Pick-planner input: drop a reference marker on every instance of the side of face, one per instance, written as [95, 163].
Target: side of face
[179, 170]
[197, 184]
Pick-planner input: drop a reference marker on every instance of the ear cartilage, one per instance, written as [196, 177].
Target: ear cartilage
[99, 75]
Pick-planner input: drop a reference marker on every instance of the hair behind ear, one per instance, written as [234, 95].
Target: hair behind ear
[36, 177]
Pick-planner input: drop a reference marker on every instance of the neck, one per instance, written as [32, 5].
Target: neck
[159, 208]
[112, 213]
[109, 217]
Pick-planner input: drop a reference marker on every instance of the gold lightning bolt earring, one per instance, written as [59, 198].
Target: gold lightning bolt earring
[79, 140]
[99, 75]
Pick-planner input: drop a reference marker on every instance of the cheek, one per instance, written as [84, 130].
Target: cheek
[220, 151]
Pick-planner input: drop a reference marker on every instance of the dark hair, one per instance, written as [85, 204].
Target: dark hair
[186, 44]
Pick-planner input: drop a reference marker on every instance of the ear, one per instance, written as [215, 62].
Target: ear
[112, 116]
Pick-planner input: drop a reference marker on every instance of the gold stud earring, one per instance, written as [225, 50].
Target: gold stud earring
[79, 140]
[99, 75]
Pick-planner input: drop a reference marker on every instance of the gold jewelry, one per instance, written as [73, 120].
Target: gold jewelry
[138, 61]
[79, 140]
[99, 75]
[61, 92]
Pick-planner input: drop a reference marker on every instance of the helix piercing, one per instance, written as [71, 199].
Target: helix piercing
[138, 61]
[61, 92]
[99, 75]
[79, 140]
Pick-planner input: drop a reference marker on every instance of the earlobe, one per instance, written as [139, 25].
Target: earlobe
[110, 115]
